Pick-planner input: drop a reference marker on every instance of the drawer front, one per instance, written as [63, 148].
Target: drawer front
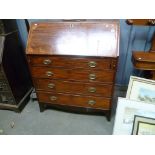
[73, 74]
[94, 89]
[88, 63]
[74, 100]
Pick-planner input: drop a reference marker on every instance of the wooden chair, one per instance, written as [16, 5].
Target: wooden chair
[144, 60]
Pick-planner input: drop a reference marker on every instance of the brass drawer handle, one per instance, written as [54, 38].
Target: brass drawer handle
[46, 61]
[91, 102]
[92, 89]
[51, 85]
[92, 64]
[53, 98]
[92, 76]
[49, 73]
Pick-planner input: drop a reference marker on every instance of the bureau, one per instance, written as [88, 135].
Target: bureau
[73, 63]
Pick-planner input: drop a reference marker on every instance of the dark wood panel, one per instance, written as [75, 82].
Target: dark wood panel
[94, 89]
[74, 100]
[73, 74]
[17, 107]
[15, 67]
[73, 62]
[15, 81]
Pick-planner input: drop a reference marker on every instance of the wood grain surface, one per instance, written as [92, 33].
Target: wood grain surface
[74, 100]
[59, 86]
[74, 38]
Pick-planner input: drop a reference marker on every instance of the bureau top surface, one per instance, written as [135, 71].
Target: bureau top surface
[82, 38]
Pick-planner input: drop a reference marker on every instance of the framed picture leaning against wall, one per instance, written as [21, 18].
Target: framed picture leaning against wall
[140, 89]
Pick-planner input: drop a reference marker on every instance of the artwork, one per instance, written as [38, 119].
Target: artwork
[143, 126]
[126, 110]
[141, 89]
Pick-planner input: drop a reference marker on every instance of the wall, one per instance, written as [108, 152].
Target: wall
[22, 31]
[132, 38]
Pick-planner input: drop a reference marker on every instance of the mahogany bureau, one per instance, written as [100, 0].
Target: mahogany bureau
[73, 63]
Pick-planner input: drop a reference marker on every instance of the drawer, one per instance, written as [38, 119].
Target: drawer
[94, 89]
[74, 100]
[73, 74]
[70, 62]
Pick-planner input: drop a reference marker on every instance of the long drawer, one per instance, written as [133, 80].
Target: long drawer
[95, 89]
[73, 74]
[87, 63]
[74, 100]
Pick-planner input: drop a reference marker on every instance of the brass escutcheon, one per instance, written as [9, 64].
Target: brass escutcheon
[53, 98]
[51, 85]
[92, 64]
[47, 61]
[91, 102]
[92, 76]
[49, 73]
[92, 89]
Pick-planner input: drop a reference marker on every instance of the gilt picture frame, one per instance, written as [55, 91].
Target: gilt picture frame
[143, 126]
[141, 89]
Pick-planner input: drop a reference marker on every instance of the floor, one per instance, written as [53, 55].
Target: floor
[52, 122]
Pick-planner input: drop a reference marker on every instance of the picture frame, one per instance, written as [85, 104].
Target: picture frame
[141, 89]
[125, 112]
[143, 126]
